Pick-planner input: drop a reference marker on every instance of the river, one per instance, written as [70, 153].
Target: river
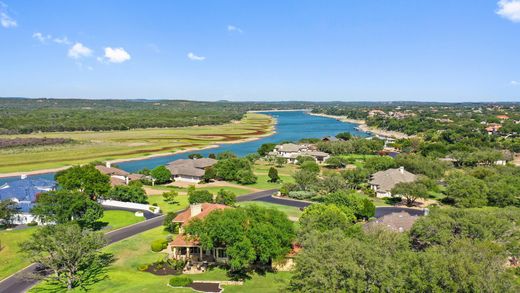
[291, 126]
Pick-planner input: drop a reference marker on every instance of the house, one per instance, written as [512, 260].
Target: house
[291, 152]
[493, 128]
[397, 222]
[25, 193]
[190, 170]
[118, 176]
[383, 181]
[187, 248]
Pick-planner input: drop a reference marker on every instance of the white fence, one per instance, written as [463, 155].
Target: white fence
[130, 205]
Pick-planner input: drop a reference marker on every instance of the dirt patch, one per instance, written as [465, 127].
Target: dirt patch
[206, 287]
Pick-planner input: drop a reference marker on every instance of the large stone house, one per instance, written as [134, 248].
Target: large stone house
[188, 248]
[383, 181]
[24, 193]
[190, 170]
[118, 176]
[291, 152]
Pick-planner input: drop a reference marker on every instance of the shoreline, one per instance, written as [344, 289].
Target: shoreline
[364, 127]
[270, 131]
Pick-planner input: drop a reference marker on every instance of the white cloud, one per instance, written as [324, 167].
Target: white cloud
[78, 51]
[116, 55]
[63, 41]
[6, 20]
[41, 37]
[514, 83]
[194, 57]
[509, 9]
[232, 28]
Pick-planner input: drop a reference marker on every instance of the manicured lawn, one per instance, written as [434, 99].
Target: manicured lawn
[118, 219]
[123, 275]
[290, 211]
[182, 203]
[11, 259]
[108, 145]
[235, 190]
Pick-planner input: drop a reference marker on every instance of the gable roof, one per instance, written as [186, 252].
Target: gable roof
[190, 167]
[206, 208]
[111, 170]
[386, 180]
[397, 222]
[290, 147]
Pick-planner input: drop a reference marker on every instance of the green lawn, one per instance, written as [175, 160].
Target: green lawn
[11, 258]
[235, 190]
[182, 203]
[118, 219]
[290, 211]
[123, 275]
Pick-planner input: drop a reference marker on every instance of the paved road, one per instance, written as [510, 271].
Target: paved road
[17, 283]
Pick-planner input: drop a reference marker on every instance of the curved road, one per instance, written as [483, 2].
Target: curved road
[19, 282]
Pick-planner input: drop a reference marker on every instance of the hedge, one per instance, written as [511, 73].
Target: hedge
[159, 245]
[180, 281]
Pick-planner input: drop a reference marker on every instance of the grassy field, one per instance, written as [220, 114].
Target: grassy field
[109, 145]
[289, 211]
[11, 258]
[182, 203]
[118, 219]
[123, 275]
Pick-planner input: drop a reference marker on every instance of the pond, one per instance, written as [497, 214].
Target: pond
[291, 126]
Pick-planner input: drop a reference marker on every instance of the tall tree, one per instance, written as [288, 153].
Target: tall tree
[128, 193]
[161, 175]
[85, 179]
[8, 209]
[70, 254]
[64, 206]
[467, 191]
[273, 175]
[411, 191]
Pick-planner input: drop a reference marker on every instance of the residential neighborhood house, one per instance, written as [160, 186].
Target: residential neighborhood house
[396, 222]
[291, 152]
[118, 176]
[190, 170]
[185, 248]
[383, 181]
[25, 193]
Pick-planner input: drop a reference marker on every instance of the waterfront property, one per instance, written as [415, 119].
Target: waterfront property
[383, 181]
[190, 170]
[187, 248]
[118, 176]
[25, 193]
[291, 152]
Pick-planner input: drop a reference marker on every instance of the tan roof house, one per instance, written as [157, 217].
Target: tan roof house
[383, 181]
[397, 222]
[118, 176]
[190, 170]
[189, 248]
[291, 152]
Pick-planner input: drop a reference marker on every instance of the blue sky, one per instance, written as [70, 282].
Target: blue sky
[464, 50]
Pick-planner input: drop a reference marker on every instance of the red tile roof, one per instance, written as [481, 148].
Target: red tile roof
[183, 241]
[207, 208]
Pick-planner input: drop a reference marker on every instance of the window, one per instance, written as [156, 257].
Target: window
[221, 253]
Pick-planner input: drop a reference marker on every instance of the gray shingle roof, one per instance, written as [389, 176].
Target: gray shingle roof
[190, 167]
[386, 180]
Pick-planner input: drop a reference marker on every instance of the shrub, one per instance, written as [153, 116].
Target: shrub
[31, 224]
[143, 268]
[180, 281]
[301, 194]
[159, 245]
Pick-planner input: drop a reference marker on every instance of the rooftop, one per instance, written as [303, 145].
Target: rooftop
[386, 180]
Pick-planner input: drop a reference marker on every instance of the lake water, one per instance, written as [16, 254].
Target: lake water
[291, 126]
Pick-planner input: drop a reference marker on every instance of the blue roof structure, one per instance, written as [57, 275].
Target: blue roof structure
[24, 191]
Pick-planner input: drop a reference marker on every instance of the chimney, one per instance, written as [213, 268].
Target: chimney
[401, 169]
[23, 176]
[195, 209]
[108, 164]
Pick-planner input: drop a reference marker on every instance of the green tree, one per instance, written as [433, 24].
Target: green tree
[8, 209]
[64, 206]
[266, 148]
[251, 234]
[280, 161]
[332, 183]
[199, 196]
[195, 156]
[380, 163]
[336, 162]
[170, 196]
[305, 180]
[344, 135]
[71, 254]
[310, 167]
[86, 179]
[324, 217]
[362, 207]
[128, 193]
[467, 191]
[273, 175]
[161, 174]
[246, 176]
[169, 225]
[226, 197]
[411, 191]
